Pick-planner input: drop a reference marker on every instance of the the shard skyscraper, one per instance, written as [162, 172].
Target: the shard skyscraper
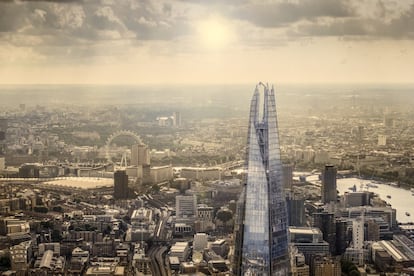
[261, 225]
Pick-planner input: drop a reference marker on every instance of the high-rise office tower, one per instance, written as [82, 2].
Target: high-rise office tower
[326, 222]
[358, 237]
[120, 185]
[3, 129]
[361, 133]
[296, 211]
[261, 230]
[140, 155]
[287, 176]
[186, 206]
[341, 244]
[373, 230]
[382, 140]
[177, 118]
[358, 232]
[329, 184]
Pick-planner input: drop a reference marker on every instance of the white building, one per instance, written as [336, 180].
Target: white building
[161, 174]
[181, 250]
[211, 173]
[19, 255]
[382, 140]
[205, 213]
[186, 206]
[200, 241]
[358, 233]
[141, 216]
[357, 253]
[2, 163]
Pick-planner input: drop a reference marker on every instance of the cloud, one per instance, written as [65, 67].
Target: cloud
[12, 17]
[75, 31]
[56, 1]
[277, 14]
[344, 18]
[145, 19]
[361, 27]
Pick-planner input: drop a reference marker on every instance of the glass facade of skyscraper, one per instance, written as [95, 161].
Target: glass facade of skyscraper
[261, 236]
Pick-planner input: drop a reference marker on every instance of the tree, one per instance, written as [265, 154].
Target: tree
[349, 268]
[88, 227]
[47, 224]
[155, 188]
[354, 273]
[58, 209]
[5, 263]
[127, 219]
[41, 209]
[224, 215]
[107, 230]
[56, 236]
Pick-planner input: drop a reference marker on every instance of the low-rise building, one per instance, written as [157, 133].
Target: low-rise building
[181, 250]
[19, 257]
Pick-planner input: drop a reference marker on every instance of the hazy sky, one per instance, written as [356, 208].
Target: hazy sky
[206, 41]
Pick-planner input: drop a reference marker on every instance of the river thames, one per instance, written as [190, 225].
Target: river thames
[399, 198]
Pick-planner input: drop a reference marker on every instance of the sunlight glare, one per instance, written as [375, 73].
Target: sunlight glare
[215, 33]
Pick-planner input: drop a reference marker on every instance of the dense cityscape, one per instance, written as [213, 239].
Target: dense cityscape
[81, 194]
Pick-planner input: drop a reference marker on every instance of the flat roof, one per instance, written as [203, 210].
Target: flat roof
[81, 182]
[174, 260]
[387, 245]
[304, 230]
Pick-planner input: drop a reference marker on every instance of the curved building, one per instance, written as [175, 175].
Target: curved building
[261, 227]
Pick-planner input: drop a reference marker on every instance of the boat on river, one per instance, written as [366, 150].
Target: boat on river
[371, 185]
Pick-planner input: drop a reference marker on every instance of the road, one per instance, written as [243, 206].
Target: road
[156, 254]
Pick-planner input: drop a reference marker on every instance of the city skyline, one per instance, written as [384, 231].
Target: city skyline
[206, 42]
[70, 202]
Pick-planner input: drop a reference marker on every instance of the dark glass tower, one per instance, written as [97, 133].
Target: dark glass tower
[329, 184]
[326, 222]
[261, 227]
[121, 185]
[3, 129]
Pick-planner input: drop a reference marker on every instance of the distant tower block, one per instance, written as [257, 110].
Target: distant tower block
[287, 176]
[326, 222]
[361, 133]
[388, 121]
[296, 211]
[140, 155]
[382, 140]
[177, 118]
[329, 184]
[120, 185]
[3, 129]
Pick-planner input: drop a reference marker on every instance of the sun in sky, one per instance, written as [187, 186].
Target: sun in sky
[215, 33]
